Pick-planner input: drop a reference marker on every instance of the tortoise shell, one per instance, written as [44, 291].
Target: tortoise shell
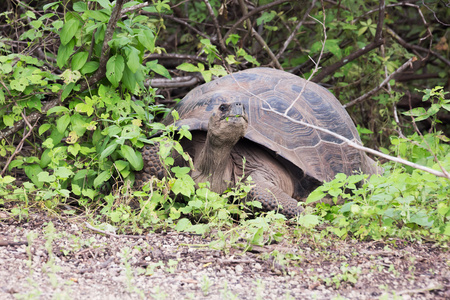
[264, 90]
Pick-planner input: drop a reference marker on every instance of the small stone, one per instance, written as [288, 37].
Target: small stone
[239, 269]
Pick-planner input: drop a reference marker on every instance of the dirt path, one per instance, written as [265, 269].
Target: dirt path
[88, 265]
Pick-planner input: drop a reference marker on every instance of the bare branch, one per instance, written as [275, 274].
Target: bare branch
[385, 81]
[216, 25]
[297, 27]
[377, 41]
[20, 145]
[182, 22]
[183, 81]
[266, 48]
[434, 14]
[416, 47]
[253, 12]
[133, 8]
[360, 147]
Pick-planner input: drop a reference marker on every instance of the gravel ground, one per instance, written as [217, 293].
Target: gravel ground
[86, 264]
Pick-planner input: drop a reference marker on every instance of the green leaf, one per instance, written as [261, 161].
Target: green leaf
[97, 15]
[266, 17]
[64, 52]
[46, 177]
[79, 60]
[90, 67]
[421, 218]
[79, 6]
[57, 109]
[32, 172]
[183, 224]
[63, 172]
[8, 120]
[134, 159]
[101, 178]
[184, 185]
[114, 69]
[147, 39]
[68, 31]
[188, 67]
[108, 150]
[258, 237]
[316, 195]
[159, 69]
[105, 3]
[19, 84]
[43, 128]
[62, 123]
[133, 61]
[129, 79]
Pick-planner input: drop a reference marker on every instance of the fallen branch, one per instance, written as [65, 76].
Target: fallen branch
[176, 82]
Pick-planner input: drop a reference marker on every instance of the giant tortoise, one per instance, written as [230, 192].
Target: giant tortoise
[249, 116]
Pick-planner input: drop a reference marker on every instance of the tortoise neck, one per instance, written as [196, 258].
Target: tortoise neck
[214, 164]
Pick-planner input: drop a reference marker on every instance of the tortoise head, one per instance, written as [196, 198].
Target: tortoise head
[227, 124]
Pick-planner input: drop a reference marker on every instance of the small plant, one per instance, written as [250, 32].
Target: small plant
[348, 274]
[205, 285]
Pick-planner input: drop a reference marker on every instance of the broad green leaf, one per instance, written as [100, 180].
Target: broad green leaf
[79, 60]
[64, 52]
[79, 6]
[147, 38]
[63, 122]
[32, 172]
[184, 185]
[68, 31]
[97, 15]
[19, 84]
[129, 79]
[134, 159]
[133, 61]
[183, 224]
[422, 218]
[63, 172]
[309, 221]
[8, 120]
[90, 67]
[108, 150]
[159, 69]
[258, 237]
[101, 178]
[45, 159]
[45, 176]
[316, 195]
[104, 3]
[188, 67]
[114, 69]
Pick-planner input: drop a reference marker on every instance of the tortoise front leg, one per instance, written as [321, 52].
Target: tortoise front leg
[153, 166]
[272, 197]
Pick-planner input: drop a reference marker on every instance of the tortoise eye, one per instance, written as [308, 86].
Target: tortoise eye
[222, 107]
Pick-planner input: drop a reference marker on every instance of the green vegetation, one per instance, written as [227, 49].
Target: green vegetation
[77, 105]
